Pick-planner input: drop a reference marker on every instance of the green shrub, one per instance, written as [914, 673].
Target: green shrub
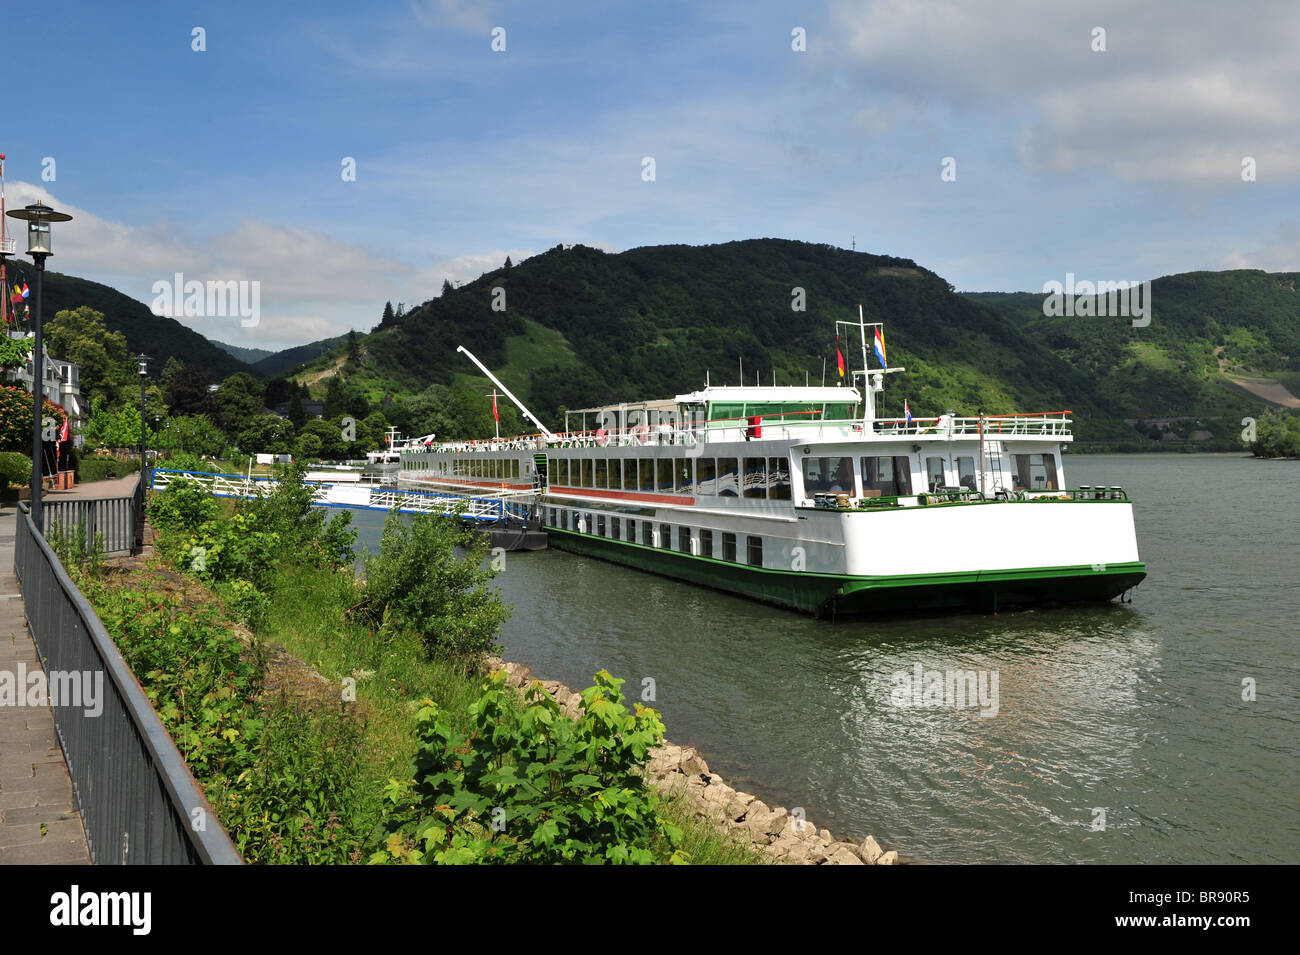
[290, 511]
[182, 506]
[15, 469]
[233, 548]
[99, 468]
[416, 582]
[183, 461]
[541, 788]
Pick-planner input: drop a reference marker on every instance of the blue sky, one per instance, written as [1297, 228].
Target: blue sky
[225, 164]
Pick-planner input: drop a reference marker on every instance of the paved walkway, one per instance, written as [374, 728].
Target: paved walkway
[39, 820]
[117, 487]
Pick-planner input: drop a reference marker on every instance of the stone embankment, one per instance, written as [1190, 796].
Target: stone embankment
[774, 831]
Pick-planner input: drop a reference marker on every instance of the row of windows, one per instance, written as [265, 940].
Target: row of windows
[501, 469]
[892, 476]
[726, 477]
[650, 534]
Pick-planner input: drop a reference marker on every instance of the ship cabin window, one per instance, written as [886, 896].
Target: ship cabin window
[665, 469]
[886, 477]
[966, 472]
[514, 468]
[647, 533]
[728, 477]
[631, 530]
[602, 473]
[706, 543]
[778, 479]
[586, 473]
[934, 474]
[706, 476]
[552, 471]
[684, 539]
[729, 547]
[683, 482]
[827, 474]
[600, 526]
[561, 473]
[629, 474]
[615, 531]
[615, 474]
[755, 477]
[1036, 472]
[754, 548]
[646, 475]
[665, 537]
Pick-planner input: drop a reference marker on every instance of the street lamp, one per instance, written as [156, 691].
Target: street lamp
[143, 359]
[38, 217]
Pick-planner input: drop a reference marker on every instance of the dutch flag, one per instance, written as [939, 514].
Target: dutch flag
[878, 343]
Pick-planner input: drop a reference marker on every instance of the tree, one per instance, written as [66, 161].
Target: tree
[79, 335]
[267, 434]
[389, 317]
[297, 414]
[446, 286]
[354, 350]
[508, 264]
[239, 398]
[187, 392]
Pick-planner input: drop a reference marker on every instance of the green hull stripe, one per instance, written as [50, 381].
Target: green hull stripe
[841, 593]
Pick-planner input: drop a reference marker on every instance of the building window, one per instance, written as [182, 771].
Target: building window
[683, 539]
[706, 543]
[754, 549]
[729, 547]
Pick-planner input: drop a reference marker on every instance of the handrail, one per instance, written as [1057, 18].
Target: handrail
[161, 819]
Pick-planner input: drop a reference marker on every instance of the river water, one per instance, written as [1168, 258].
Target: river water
[1120, 735]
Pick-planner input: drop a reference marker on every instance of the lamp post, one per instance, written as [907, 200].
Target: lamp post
[143, 359]
[38, 217]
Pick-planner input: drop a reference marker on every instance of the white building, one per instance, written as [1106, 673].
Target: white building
[62, 386]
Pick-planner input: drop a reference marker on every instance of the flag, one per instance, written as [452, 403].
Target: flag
[63, 432]
[26, 290]
[839, 355]
[907, 411]
[495, 416]
[878, 343]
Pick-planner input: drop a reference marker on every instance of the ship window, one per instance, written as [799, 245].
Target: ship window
[665, 537]
[966, 472]
[647, 474]
[934, 478]
[615, 531]
[778, 479]
[631, 530]
[600, 524]
[629, 474]
[684, 539]
[514, 466]
[706, 476]
[615, 474]
[602, 473]
[706, 543]
[586, 472]
[729, 547]
[647, 532]
[890, 477]
[828, 474]
[665, 469]
[552, 471]
[683, 482]
[1037, 472]
[563, 464]
[754, 546]
[728, 479]
[755, 477]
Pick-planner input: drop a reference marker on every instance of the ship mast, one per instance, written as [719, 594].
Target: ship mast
[6, 250]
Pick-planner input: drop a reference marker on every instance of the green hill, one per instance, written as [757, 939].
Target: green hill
[247, 355]
[274, 364]
[158, 337]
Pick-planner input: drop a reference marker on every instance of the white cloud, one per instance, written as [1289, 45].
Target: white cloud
[1281, 254]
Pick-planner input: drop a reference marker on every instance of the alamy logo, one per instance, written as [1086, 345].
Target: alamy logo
[950, 688]
[132, 909]
[72, 688]
[1097, 299]
[195, 299]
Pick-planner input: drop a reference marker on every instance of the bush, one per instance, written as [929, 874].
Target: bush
[15, 469]
[182, 506]
[540, 789]
[183, 461]
[417, 583]
[289, 511]
[100, 468]
[234, 548]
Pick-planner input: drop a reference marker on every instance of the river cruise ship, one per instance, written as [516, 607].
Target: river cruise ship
[801, 496]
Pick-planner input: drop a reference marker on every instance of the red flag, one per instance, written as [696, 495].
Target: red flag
[495, 416]
[839, 355]
[63, 432]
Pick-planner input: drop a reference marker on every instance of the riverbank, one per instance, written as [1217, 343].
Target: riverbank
[782, 835]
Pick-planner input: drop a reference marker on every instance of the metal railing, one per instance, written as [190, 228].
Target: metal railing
[118, 519]
[139, 804]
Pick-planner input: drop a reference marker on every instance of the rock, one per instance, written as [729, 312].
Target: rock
[826, 835]
[693, 763]
[889, 858]
[870, 851]
[844, 853]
